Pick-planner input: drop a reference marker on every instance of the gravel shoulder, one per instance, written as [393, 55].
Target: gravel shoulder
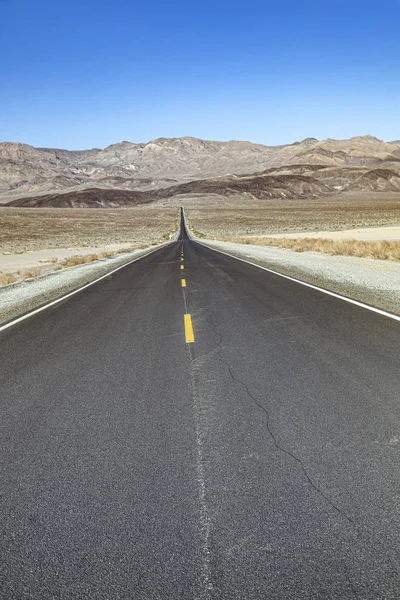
[375, 282]
[19, 298]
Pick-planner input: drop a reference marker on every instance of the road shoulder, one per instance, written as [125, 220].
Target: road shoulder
[371, 281]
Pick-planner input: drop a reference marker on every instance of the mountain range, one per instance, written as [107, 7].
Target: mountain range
[125, 173]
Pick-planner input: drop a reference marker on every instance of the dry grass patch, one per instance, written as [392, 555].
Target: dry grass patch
[51, 260]
[71, 261]
[79, 259]
[7, 278]
[106, 254]
[382, 250]
[30, 273]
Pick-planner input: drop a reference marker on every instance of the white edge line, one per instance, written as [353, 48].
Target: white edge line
[310, 285]
[57, 300]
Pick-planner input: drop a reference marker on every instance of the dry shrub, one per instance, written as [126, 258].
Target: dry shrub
[197, 233]
[111, 253]
[30, 273]
[131, 248]
[382, 250]
[52, 259]
[106, 254]
[79, 259]
[7, 278]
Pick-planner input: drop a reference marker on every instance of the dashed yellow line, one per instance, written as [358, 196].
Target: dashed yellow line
[182, 267]
[183, 282]
[189, 335]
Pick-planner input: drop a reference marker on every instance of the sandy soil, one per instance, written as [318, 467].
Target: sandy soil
[370, 234]
[45, 258]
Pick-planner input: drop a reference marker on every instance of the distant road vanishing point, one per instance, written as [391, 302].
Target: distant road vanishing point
[195, 427]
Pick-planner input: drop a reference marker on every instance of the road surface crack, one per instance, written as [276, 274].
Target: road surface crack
[275, 441]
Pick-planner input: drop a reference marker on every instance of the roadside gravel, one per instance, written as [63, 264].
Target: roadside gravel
[18, 298]
[375, 282]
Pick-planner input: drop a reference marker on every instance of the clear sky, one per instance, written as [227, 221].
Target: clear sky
[88, 73]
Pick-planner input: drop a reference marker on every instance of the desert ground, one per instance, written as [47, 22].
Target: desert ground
[271, 217]
[37, 229]
[365, 227]
[37, 241]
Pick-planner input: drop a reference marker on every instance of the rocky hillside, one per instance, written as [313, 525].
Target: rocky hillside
[88, 198]
[28, 171]
[289, 182]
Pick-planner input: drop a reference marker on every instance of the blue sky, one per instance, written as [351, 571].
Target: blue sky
[87, 73]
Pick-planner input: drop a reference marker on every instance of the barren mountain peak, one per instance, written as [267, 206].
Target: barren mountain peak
[179, 140]
[21, 152]
[366, 138]
[5, 143]
[120, 144]
[16, 145]
[309, 140]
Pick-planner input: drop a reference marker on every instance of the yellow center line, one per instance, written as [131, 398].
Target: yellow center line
[189, 335]
[182, 267]
[183, 282]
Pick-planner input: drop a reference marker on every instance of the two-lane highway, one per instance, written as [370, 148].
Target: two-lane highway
[196, 427]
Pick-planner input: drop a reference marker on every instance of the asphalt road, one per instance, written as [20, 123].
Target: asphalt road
[261, 460]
